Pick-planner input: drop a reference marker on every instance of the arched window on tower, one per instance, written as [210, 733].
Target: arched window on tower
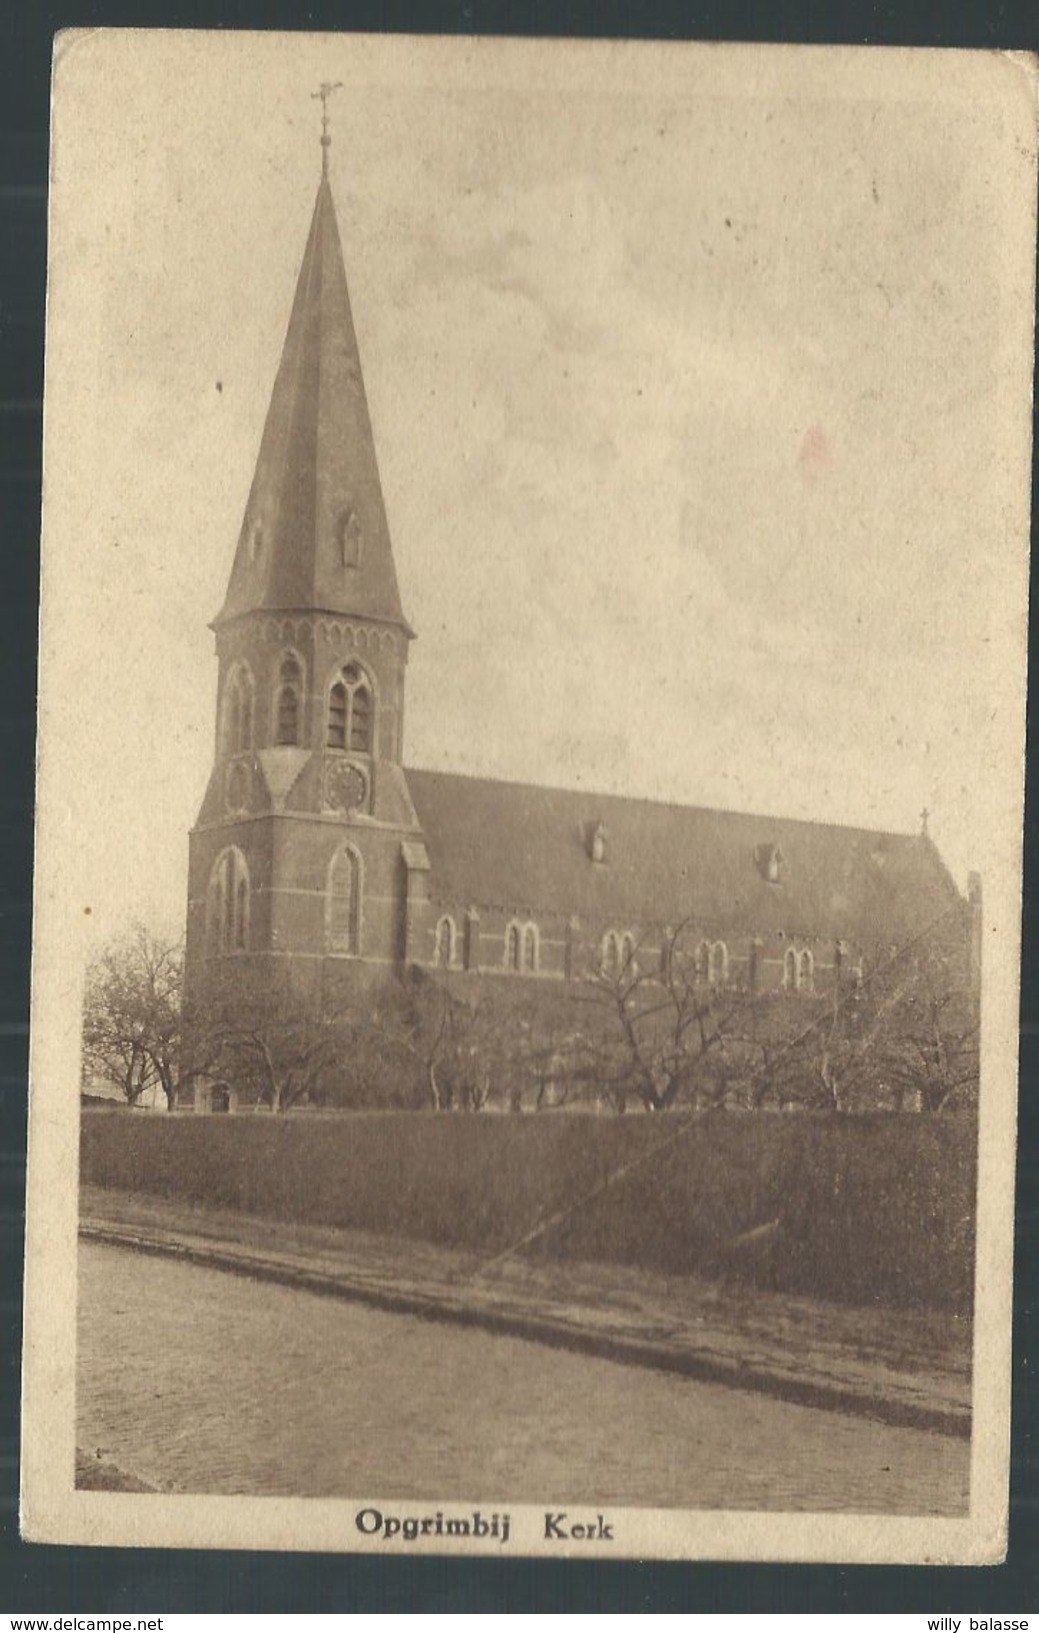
[241, 915]
[234, 716]
[344, 902]
[360, 733]
[351, 711]
[290, 700]
[512, 947]
[227, 904]
[530, 949]
[216, 899]
[337, 716]
[238, 711]
[806, 972]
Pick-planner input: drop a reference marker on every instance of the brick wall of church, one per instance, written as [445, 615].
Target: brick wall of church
[477, 939]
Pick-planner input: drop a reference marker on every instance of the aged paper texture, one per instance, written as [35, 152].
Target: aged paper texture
[550, 522]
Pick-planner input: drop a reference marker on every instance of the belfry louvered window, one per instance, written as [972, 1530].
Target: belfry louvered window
[290, 687]
[238, 711]
[350, 711]
[337, 716]
[360, 729]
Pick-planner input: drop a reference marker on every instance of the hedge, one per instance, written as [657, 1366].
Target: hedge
[854, 1209]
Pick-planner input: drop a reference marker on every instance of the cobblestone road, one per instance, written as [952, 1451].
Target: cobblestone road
[194, 1380]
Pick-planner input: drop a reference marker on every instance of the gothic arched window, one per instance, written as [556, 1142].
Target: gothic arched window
[627, 952]
[446, 940]
[806, 972]
[703, 961]
[530, 949]
[227, 903]
[512, 947]
[344, 902]
[240, 918]
[238, 710]
[610, 959]
[351, 711]
[790, 970]
[290, 699]
[216, 907]
[359, 736]
[337, 715]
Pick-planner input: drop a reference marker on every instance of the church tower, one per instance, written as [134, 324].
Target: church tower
[302, 857]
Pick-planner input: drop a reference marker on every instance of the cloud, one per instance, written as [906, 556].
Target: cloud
[595, 336]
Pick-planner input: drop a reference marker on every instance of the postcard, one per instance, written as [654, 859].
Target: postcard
[533, 645]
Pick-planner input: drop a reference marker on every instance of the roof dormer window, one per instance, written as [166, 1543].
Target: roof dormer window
[770, 863]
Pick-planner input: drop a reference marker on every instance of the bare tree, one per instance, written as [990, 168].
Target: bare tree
[455, 1036]
[269, 1043]
[670, 1025]
[471, 1044]
[899, 1032]
[412, 1031]
[907, 1033]
[132, 1015]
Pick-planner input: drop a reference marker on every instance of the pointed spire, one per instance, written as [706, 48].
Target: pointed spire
[315, 535]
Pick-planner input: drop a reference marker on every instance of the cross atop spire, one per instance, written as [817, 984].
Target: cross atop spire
[324, 91]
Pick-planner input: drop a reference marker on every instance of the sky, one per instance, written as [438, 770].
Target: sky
[699, 383]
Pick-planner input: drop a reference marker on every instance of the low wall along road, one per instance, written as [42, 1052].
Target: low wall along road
[854, 1209]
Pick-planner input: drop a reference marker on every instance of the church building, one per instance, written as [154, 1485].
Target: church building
[319, 858]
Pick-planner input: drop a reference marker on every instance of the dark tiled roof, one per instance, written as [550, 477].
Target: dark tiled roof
[527, 849]
[317, 467]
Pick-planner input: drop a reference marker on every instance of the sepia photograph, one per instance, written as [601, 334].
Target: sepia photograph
[532, 678]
